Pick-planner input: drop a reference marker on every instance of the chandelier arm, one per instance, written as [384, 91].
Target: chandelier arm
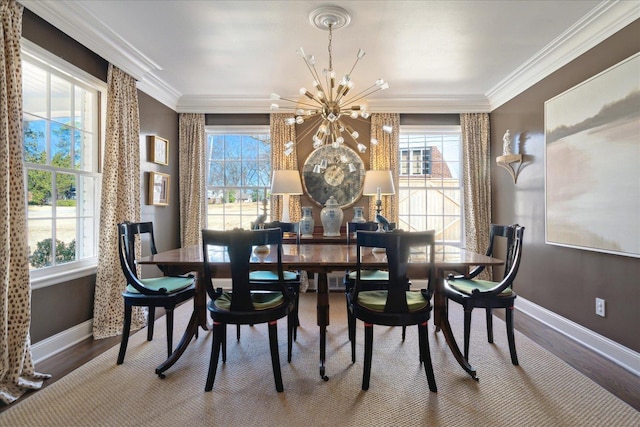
[311, 115]
[316, 105]
[363, 94]
[328, 80]
[315, 74]
[306, 133]
[354, 66]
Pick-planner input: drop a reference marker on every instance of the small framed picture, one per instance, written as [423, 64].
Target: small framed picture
[159, 188]
[159, 150]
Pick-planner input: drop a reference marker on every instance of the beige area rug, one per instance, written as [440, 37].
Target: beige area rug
[542, 391]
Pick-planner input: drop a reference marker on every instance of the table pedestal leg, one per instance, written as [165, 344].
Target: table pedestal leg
[441, 322]
[323, 318]
[189, 333]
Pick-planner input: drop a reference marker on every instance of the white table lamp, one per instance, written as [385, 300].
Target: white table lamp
[286, 183]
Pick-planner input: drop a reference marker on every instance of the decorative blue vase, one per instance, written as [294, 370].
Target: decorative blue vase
[306, 222]
[358, 214]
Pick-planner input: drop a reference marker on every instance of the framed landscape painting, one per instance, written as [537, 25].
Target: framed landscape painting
[592, 163]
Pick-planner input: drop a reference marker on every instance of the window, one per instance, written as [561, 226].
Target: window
[61, 159]
[238, 174]
[430, 182]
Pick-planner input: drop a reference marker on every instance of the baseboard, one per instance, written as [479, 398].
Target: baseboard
[55, 344]
[619, 354]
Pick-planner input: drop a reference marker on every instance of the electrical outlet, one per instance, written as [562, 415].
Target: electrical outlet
[600, 307]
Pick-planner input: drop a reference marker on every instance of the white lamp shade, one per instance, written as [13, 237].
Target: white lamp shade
[375, 181]
[286, 182]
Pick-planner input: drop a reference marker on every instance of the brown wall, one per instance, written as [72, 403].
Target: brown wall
[563, 280]
[62, 306]
[158, 119]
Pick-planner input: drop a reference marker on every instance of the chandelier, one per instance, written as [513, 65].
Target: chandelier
[331, 101]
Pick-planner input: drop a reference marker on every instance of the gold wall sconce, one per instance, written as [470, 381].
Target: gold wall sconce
[508, 158]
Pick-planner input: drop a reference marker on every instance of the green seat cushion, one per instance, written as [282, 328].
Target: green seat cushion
[380, 275]
[265, 275]
[260, 300]
[376, 300]
[466, 286]
[171, 284]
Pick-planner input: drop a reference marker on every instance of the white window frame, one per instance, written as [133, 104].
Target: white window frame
[235, 130]
[48, 276]
[436, 130]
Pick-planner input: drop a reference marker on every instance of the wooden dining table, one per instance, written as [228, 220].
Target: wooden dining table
[319, 258]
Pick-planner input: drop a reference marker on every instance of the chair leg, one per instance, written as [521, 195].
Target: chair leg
[351, 320]
[238, 332]
[467, 331]
[223, 338]
[125, 333]
[368, 353]
[296, 316]
[275, 356]
[404, 333]
[425, 356]
[169, 316]
[151, 319]
[420, 345]
[218, 332]
[489, 325]
[510, 335]
[291, 327]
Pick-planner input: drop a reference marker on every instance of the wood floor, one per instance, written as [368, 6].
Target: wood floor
[610, 376]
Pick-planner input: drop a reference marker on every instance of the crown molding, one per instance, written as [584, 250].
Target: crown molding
[75, 21]
[602, 22]
[251, 105]
[159, 90]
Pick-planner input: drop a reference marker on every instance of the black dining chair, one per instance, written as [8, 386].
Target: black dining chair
[372, 278]
[471, 292]
[244, 305]
[265, 279]
[395, 305]
[167, 291]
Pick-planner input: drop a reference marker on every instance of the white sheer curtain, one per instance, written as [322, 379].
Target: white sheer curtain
[120, 202]
[192, 178]
[477, 182]
[17, 373]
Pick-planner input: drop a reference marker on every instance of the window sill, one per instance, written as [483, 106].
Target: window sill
[61, 274]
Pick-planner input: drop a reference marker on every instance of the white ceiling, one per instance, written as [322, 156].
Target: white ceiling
[438, 56]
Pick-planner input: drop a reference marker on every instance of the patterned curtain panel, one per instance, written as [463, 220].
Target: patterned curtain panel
[120, 202]
[384, 156]
[192, 178]
[17, 373]
[477, 182]
[281, 133]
